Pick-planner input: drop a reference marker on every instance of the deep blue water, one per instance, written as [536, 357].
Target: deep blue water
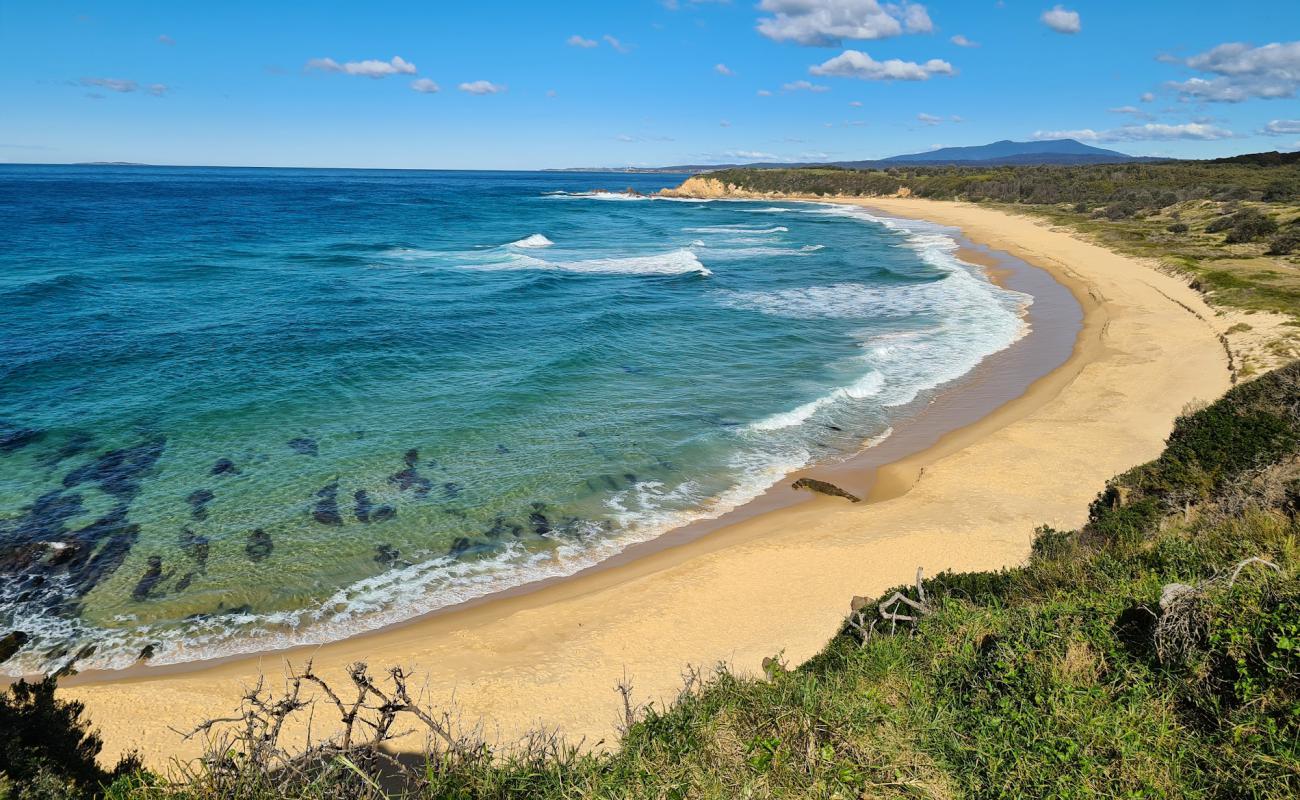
[246, 407]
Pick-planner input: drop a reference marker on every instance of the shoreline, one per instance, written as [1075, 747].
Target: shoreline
[1054, 319]
[783, 576]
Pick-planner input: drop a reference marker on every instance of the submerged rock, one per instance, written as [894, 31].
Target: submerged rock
[304, 446]
[824, 487]
[452, 489]
[149, 580]
[368, 512]
[541, 525]
[184, 582]
[326, 511]
[501, 526]
[198, 500]
[387, 555]
[12, 439]
[118, 472]
[224, 466]
[11, 643]
[459, 546]
[196, 547]
[410, 477]
[363, 505]
[259, 545]
[502, 449]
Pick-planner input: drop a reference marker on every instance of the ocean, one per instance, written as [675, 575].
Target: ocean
[243, 409]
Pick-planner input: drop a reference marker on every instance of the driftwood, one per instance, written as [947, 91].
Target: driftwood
[894, 609]
[247, 746]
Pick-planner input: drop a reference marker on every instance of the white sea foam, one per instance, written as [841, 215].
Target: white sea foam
[674, 262]
[961, 319]
[615, 196]
[868, 385]
[737, 229]
[536, 240]
[742, 253]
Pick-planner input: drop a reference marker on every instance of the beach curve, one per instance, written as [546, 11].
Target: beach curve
[779, 581]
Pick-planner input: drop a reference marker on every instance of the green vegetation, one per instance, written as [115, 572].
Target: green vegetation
[1149, 654]
[1232, 226]
[47, 749]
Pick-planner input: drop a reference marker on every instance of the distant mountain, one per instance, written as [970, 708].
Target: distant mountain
[1005, 152]
[1051, 151]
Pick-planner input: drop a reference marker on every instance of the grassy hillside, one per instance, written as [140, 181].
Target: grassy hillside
[1231, 226]
[1143, 655]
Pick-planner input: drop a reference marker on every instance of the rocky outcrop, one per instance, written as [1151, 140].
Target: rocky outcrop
[823, 487]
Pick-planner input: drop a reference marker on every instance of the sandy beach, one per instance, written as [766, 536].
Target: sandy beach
[780, 581]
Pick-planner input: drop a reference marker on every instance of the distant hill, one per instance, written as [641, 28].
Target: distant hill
[1051, 151]
[1272, 158]
[1005, 152]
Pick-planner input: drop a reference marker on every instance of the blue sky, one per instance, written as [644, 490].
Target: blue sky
[524, 85]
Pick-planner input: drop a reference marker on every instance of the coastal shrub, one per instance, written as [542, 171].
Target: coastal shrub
[1284, 243]
[1249, 225]
[47, 748]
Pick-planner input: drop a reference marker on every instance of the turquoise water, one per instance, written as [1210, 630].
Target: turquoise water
[242, 409]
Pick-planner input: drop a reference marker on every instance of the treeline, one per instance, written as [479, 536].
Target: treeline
[1159, 185]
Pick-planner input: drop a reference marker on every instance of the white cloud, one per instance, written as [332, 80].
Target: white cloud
[481, 87]
[856, 64]
[956, 118]
[577, 41]
[158, 89]
[764, 93]
[856, 103]
[805, 86]
[725, 123]
[1137, 133]
[370, 68]
[1241, 71]
[928, 119]
[723, 69]
[165, 39]
[1148, 97]
[1061, 20]
[751, 155]
[962, 41]
[616, 44]
[1281, 127]
[552, 93]
[425, 86]
[1132, 111]
[112, 84]
[826, 23]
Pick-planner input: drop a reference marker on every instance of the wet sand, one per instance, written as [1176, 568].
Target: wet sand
[778, 576]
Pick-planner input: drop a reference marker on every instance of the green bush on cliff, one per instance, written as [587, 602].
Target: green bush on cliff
[47, 749]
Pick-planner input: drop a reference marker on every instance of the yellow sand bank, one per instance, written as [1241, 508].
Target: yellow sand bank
[778, 581]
